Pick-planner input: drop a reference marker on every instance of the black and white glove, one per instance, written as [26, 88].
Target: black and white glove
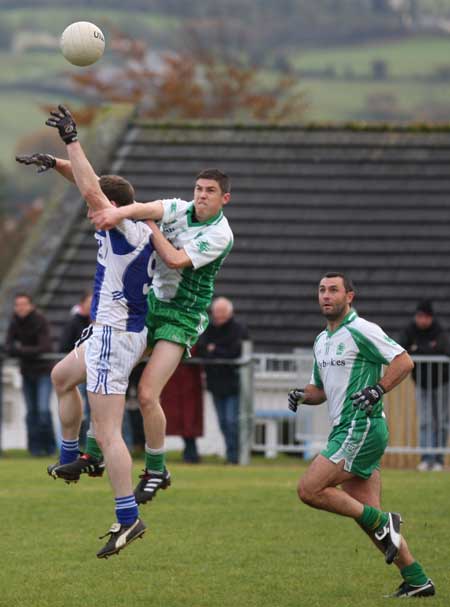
[296, 397]
[365, 400]
[64, 122]
[44, 162]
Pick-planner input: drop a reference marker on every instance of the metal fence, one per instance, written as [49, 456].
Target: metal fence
[417, 411]
[11, 394]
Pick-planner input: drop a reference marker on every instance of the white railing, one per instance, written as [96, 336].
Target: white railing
[418, 418]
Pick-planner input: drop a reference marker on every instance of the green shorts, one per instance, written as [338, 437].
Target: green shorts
[361, 445]
[166, 321]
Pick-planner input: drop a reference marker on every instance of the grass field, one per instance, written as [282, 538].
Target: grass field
[220, 536]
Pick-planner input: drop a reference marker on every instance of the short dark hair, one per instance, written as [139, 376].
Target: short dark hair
[348, 285]
[426, 307]
[222, 179]
[118, 189]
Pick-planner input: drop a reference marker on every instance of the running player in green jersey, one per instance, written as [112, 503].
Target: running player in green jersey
[348, 360]
[192, 243]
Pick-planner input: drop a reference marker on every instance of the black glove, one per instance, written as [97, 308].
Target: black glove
[44, 162]
[296, 397]
[64, 122]
[366, 399]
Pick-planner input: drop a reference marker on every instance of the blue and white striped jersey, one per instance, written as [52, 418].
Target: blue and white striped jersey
[125, 267]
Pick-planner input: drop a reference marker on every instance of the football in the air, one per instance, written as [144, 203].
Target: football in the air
[82, 43]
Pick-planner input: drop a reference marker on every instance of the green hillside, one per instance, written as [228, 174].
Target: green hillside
[405, 58]
[413, 67]
[54, 20]
[338, 80]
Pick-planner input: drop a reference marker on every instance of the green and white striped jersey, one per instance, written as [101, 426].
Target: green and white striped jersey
[349, 359]
[206, 243]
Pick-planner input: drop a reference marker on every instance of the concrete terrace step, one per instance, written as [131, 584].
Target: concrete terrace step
[304, 201]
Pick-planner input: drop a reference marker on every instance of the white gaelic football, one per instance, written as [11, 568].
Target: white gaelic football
[82, 43]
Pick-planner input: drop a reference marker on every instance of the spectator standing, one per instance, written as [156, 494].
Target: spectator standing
[28, 337]
[79, 320]
[133, 425]
[426, 336]
[182, 403]
[223, 339]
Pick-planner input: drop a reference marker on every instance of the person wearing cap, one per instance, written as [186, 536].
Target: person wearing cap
[425, 336]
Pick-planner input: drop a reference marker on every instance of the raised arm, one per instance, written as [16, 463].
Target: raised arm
[64, 168]
[82, 171]
[86, 179]
[45, 162]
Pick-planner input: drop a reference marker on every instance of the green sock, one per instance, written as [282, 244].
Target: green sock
[414, 574]
[155, 459]
[92, 448]
[372, 519]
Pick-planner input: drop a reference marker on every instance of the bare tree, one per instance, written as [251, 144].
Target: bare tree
[195, 85]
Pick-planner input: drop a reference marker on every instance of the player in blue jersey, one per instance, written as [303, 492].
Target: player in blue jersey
[117, 338]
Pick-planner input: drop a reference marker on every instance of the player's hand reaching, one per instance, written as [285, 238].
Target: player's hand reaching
[296, 397]
[62, 120]
[106, 219]
[365, 400]
[44, 162]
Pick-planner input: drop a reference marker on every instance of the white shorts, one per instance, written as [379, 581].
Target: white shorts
[110, 357]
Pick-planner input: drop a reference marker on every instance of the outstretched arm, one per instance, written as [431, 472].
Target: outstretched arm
[64, 168]
[82, 171]
[45, 162]
[86, 179]
[108, 218]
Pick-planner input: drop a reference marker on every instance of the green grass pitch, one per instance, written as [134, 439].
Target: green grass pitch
[220, 536]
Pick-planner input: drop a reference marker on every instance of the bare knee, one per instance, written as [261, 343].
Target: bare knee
[59, 378]
[147, 399]
[106, 437]
[306, 493]
[103, 440]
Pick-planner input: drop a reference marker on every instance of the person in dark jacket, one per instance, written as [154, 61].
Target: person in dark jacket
[27, 338]
[223, 339]
[182, 403]
[425, 336]
[80, 319]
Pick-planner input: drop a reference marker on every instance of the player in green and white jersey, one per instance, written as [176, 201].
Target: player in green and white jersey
[193, 240]
[347, 373]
